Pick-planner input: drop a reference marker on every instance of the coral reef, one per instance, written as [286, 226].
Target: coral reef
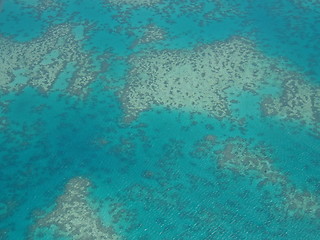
[40, 62]
[208, 79]
[152, 33]
[135, 3]
[255, 161]
[196, 80]
[299, 203]
[244, 159]
[40, 5]
[308, 4]
[203, 148]
[298, 101]
[73, 216]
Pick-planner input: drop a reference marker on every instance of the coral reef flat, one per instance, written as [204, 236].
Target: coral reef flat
[195, 80]
[39, 62]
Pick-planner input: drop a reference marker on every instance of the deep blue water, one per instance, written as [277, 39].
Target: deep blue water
[161, 175]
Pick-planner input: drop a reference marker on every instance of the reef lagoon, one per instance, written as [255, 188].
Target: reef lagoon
[159, 119]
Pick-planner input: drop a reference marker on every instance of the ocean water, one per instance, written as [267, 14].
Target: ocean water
[157, 119]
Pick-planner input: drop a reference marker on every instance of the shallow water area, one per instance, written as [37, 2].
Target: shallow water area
[158, 119]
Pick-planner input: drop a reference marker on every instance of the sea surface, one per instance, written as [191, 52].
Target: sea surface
[159, 119]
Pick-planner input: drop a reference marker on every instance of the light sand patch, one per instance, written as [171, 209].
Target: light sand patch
[39, 62]
[195, 80]
[74, 217]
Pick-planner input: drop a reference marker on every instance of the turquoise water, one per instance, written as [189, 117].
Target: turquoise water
[93, 146]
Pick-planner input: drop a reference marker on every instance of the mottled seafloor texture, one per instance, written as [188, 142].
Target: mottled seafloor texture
[159, 119]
